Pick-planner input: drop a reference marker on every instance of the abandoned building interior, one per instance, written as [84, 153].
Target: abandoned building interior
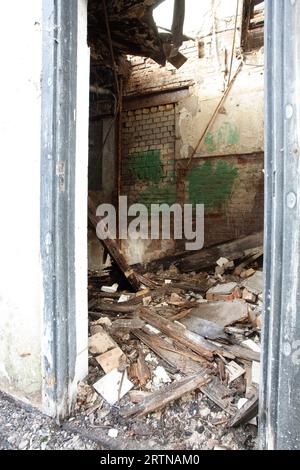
[176, 117]
[149, 279]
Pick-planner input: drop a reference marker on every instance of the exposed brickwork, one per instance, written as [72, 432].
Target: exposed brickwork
[148, 152]
[147, 76]
[242, 213]
[231, 186]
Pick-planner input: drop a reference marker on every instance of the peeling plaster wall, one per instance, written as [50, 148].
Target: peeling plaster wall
[107, 193]
[226, 173]
[21, 299]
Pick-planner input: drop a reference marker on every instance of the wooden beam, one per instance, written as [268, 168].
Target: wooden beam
[187, 363]
[166, 395]
[111, 246]
[155, 99]
[193, 341]
[198, 260]
[246, 413]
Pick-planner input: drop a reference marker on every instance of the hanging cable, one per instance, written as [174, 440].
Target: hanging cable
[234, 39]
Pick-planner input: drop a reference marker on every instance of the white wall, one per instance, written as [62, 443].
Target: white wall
[21, 279]
[21, 300]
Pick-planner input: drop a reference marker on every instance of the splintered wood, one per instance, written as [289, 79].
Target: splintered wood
[189, 339]
[168, 394]
[170, 339]
[111, 246]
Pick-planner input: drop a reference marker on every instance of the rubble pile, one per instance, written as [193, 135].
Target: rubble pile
[180, 358]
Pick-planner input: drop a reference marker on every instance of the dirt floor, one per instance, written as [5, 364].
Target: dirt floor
[23, 428]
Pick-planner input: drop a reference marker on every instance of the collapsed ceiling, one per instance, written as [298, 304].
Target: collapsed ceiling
[126, 27]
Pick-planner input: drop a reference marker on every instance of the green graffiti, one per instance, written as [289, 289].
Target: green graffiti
[210, 143]
[144, 166]
[228, 134]
[156, 194]
[211, 185]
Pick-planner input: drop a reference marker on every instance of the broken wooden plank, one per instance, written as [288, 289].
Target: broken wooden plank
[113, 249]
[111, 359]
[246, 413]
[257, 253]
[187, 364]
[240, 352]
[180, 315]
[140, 371]
[137, 396]
[180, 334]
[100, 342]
[166, 395]
[235, 371]
[209, 256]
[127, 324]
[115, 308]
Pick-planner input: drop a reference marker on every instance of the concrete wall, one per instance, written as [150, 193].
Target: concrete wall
[226, 173]
[22, 343]
[21, 296]
[107, 194]
[81, 258]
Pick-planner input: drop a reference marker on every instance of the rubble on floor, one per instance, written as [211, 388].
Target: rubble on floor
[181, 356]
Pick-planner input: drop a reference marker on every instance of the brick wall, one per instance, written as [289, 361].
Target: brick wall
[147, 76]
[230, 187]
[148, 163]
[202, 66]
[227, 179]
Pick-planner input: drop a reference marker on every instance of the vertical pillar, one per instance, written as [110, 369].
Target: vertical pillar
[280, 388]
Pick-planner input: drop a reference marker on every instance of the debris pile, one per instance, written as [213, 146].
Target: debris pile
[182, 352]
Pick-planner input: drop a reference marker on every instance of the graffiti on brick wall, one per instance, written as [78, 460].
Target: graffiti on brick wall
[211, 184]
[159, 179]
[144, 166]
[228, 134]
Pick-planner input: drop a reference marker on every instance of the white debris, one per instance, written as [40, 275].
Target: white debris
[110, 388]
[235, 371]
[243, 402]
[222, 262]
[160, 376]
[113, 433]
[110, 289]
[168, 281]
[204, 413]
[249, 343]
[105, 321]
[147, 301]
[123, 298]
[152, 329]
[256, 373]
